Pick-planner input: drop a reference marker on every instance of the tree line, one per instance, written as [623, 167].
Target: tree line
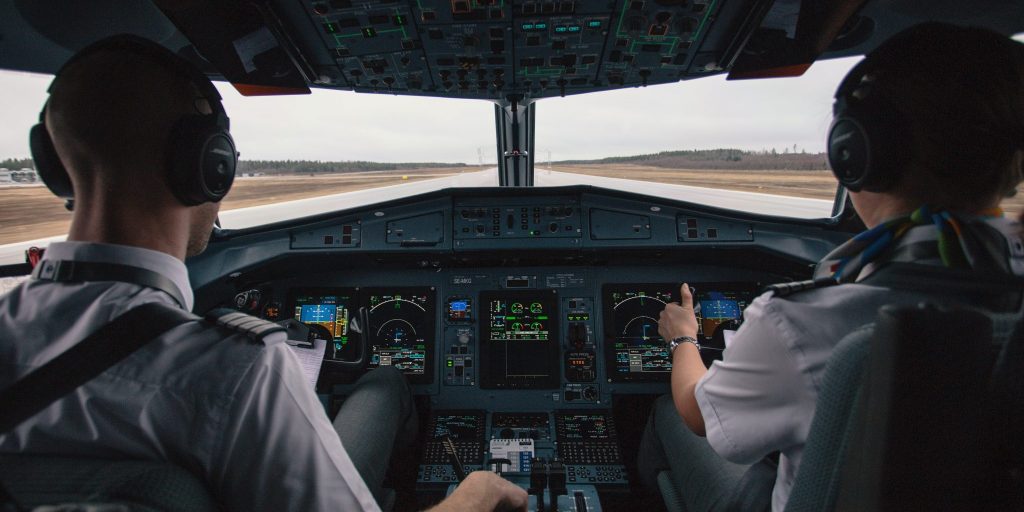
[286, 166]
[720, 159]
[17, 164]
[318, 167]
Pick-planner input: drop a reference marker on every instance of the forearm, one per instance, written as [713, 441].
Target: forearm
[687, 370]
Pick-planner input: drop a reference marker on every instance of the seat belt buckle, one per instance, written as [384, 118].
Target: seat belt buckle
[60, 270]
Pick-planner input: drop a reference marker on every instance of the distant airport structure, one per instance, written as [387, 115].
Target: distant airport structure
[25, 175]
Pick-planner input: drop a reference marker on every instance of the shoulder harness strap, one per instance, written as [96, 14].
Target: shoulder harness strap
[256, 329]
[787, 289]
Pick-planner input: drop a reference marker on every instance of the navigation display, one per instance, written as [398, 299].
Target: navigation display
[332, 309]
[402, 330]
[518, 340]
[634, 349]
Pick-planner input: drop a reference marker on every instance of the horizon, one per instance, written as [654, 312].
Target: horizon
[327, 125]
[766, 152]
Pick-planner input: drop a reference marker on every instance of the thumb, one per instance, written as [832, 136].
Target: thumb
[685, 297]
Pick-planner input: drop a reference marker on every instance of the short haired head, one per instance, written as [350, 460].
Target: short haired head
[134, 124]
[947, 103]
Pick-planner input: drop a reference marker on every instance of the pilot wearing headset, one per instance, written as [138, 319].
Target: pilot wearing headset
[138, 138]
[928, 137]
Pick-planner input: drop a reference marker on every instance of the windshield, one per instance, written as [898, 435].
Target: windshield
[754, 146]
[763, 141]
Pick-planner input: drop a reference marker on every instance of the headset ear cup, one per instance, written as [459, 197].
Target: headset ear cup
[848, 152]
[864, 149]
[219, 161]
[202, 160]
[48, 165]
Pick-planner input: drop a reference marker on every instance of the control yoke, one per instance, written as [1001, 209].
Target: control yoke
[361, 326]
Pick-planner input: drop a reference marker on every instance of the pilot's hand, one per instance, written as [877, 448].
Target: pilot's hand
[484, 491]
[678, 319]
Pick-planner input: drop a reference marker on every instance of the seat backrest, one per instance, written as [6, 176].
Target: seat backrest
[927, 437]
[35, 481]
[817, 480]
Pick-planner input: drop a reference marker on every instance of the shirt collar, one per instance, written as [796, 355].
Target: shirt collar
[155, 261]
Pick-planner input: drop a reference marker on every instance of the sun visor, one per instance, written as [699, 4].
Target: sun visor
[790, 37]
[245, 42]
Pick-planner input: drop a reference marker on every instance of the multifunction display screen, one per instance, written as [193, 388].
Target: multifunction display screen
[634, 349]
[332, 309]
[720, 309]
[519, 341]
[460, 310]
[402, 330]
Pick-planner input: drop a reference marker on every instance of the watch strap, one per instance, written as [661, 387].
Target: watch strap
[679, 340]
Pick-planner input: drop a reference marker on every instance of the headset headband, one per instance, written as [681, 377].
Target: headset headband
[202, 157]
[174, 62]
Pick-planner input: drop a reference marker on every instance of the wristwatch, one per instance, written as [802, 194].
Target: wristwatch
[675, 342]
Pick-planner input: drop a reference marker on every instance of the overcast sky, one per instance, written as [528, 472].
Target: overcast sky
[342, 125]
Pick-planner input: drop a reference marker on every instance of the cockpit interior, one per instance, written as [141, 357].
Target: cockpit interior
[524, 317]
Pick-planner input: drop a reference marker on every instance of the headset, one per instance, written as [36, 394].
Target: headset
[864, 148]
[201, 155]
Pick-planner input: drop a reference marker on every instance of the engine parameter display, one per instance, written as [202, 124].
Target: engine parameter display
[401, 328]
[331, 309]
[519, 345]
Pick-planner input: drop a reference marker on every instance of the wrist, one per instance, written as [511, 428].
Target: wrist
[678, 341]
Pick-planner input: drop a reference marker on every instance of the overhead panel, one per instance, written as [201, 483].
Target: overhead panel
[491, 49]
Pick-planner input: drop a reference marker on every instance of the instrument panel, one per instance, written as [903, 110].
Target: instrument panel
[541, 300]
[489, 49]
[399, 322]
[566, 333]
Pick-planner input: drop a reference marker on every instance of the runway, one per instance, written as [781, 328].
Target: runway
[241, 218]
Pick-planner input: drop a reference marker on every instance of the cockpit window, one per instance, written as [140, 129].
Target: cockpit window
[751, 145]
[755, 146]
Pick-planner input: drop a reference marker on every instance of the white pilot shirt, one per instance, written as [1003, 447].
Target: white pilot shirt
[761, 396]
[238, 413]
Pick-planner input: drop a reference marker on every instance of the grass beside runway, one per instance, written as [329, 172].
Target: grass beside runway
[31, 212]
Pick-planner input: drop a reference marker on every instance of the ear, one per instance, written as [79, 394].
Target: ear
[1017, 168]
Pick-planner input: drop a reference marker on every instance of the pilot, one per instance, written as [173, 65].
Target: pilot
[121, 116]
[943, 108]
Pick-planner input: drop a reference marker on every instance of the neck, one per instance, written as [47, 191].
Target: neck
[147, 226]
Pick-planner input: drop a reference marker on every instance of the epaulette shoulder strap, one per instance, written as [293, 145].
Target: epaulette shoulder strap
[787, 289]
[256, 329]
